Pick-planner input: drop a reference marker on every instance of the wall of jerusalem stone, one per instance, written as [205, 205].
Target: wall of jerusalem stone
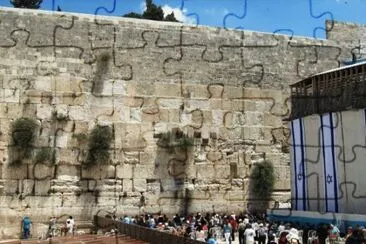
[229, 90]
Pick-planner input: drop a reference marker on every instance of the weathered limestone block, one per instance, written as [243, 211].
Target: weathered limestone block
[167, 90]
[15, 172]
[147, 157]
[170, 185]
[109, 187]
[14, 110]
[44, 111]
[93, 172]
[11, 187]
[92, 185]
[69, 172]
[153, 187]
[78, 113]
[140, 89]
[144, 172]
[172, 103]
[222, 171]
[139, 185]
[131, 157]
[41, 171]
[127, 185]
[84, 185]
[124, 171]
[237, 183]
[137, 143]
[135, 115]
[42, 187]
[214, 156]
[205, 171]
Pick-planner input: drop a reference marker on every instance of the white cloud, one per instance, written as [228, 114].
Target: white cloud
[143, 6]
[179, 14]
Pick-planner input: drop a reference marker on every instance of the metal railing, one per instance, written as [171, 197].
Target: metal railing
[333, 91]
[141, 233]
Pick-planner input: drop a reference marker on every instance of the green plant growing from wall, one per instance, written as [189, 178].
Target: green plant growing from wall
[99, 144]
[23, 134]
[43, 155]
[82, 138]
[170, 141]
[263, 180]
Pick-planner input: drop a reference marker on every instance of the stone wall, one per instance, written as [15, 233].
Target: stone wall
[226, 89]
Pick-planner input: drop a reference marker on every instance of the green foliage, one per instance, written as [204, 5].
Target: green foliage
[23, 132]
[263, 179]
[33, 4]
[81, 137]
[171, 140]
[133, 15]
[171, 18]
[43, 155]
[152, 12]
[99, 144]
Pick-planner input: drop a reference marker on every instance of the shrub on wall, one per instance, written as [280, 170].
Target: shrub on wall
[263, 180]
[43, 155]
[23, 134]
[171, 140]
[99, 144]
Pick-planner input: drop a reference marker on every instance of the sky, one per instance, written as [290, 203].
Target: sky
[293, 17]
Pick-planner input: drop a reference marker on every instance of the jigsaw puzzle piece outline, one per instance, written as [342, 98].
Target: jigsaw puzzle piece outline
[312, 14]
[197, 17]
[241, 17]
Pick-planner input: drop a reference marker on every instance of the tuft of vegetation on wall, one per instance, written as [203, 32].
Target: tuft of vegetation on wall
[172, 140]
[82, 138]
[99, 144]
[263, 180]
[23, 134]
[43, 155]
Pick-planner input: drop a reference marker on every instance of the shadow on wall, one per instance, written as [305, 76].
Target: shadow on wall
[171, 166]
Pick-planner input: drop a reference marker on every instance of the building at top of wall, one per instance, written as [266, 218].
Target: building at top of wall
[328, 142]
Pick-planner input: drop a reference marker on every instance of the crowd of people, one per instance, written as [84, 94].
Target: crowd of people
[212, 227]
[249, 229]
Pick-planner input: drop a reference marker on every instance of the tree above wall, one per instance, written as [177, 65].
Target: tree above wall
[33, 4]
[152, 12]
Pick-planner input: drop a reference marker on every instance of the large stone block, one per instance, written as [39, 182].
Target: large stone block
[44, 111]
[66, 171]
[127, 185]
[41, 171]
[205, 171]
[11, 187]
[144, 172]
[18, 172]
[139, 185]
[124, 171]
[42, 187]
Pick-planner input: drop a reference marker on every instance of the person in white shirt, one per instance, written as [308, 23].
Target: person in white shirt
[70, 223]
[249, 234]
